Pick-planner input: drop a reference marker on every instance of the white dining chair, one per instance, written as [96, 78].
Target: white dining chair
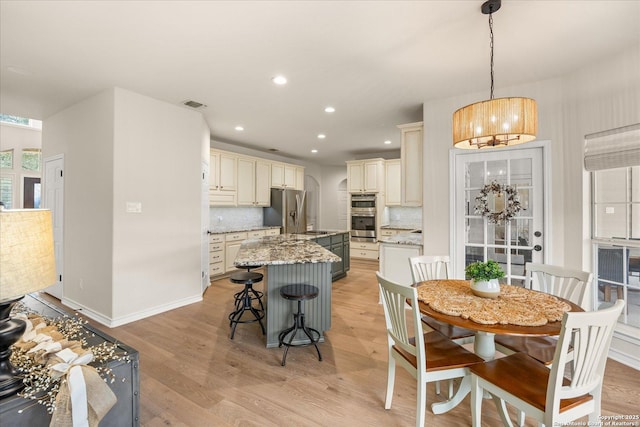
[573, 285]
[433, 267]
[545, 394]
[427, 356]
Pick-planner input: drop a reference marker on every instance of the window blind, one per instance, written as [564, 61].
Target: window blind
[616, 148]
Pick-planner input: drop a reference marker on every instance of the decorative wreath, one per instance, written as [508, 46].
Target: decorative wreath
[512, 202]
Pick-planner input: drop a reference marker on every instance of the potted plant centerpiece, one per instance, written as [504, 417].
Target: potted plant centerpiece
[484, 278]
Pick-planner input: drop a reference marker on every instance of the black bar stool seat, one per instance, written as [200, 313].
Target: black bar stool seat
[299, 293]
[244, 300]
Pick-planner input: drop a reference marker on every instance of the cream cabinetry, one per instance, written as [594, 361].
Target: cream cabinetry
[365, 250]
[390, 232]
[392, 182]
[216, 255]
[411, 163]
[232, 246]
[222, 178]
[254, 177]
[365, 176]
[272, 232]
[394, 262]
[284, 175]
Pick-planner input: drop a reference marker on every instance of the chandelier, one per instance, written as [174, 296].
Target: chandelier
[496, 122]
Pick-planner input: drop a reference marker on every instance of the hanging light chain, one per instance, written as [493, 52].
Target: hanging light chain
[491, 48]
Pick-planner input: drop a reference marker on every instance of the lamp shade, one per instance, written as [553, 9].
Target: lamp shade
[27, 262]
[495, 123]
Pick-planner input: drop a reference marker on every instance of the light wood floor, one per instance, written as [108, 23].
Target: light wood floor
[192, 374]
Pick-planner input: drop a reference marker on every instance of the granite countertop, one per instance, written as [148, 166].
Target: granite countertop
[282, 249]
[219, 230]
[414, 239]
[401, 226]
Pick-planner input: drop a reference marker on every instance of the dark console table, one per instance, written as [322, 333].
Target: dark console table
[126, 387]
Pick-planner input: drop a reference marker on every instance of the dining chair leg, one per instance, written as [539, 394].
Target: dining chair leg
[421, 401]
[476, 402]
[501, 406]
[521, 417]
[391, 377]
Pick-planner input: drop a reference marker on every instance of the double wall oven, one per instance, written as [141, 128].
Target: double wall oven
[363, 217]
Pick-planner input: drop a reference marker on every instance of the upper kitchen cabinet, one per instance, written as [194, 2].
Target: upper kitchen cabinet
[365, 176]
[254, 178]
[223, 178]
[411, 164]
[392, 182]
[284, 175]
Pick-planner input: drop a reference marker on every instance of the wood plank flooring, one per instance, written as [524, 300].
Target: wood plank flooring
[192, 374]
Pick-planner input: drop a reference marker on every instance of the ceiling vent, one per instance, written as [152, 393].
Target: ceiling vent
[194, 104]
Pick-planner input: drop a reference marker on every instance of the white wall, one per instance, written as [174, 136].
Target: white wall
[122, 147]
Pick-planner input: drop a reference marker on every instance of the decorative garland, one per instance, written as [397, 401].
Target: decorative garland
[49, 355]
[511, 200]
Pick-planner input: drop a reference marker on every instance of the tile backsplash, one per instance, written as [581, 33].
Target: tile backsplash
[404, 215]
[234, 218]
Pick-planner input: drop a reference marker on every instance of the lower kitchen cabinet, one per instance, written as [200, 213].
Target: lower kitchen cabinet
[394, 261]
[364, 250]
[224, 247]
[339, 245]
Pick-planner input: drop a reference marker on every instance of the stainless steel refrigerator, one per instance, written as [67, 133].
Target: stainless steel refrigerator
[288, 210]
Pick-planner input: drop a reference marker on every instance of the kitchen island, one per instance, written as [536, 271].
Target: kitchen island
[288, 260]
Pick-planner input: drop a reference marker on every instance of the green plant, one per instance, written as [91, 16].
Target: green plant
[484, 271]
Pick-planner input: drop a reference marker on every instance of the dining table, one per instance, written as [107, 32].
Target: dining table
[516, 311]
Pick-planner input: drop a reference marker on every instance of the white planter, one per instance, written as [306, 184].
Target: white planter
[486, 289]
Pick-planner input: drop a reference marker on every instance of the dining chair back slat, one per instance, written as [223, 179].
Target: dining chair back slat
[573, 285]
[428, 267]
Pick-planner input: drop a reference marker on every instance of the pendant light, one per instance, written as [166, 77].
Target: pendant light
[496, 122]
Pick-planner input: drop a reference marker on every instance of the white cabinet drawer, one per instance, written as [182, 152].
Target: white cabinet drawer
[364, 245]
[256, 234]
[364, 253]
[216, 257]
[234, 237]
[216, 238]
[215, 247]
[216, 269]
[272, 232]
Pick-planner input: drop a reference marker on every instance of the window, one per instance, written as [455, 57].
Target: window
[31, 159]
[6, 159]
[613, 157]
[21, 121]
[6, 191]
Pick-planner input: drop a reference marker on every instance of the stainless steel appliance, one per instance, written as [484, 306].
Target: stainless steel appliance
[363, 217]
[287, 210]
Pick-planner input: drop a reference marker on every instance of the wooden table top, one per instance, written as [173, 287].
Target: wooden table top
[549, 329]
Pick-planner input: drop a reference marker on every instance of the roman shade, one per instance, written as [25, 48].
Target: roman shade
[615, 148]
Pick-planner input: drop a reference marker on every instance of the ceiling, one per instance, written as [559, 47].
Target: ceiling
[375, 62]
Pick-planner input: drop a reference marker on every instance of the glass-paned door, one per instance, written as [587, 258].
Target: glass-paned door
[512, 243]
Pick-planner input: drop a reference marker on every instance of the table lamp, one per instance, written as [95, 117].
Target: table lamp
[27, 265]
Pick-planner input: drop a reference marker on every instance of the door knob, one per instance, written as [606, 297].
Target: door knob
[537, 248]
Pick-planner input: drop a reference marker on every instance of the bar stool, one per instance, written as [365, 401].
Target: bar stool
[299, 293]
[238, 295]
[244, 300]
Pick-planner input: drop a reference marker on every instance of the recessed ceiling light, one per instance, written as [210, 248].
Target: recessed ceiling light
[239, 128]
[321, 136]
[329, 109]
[387, 142]
[314, 151]
[279, 80]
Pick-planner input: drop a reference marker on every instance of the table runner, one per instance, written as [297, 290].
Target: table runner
[514, 306]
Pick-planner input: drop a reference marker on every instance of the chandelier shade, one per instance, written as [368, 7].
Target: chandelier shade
[495, 123]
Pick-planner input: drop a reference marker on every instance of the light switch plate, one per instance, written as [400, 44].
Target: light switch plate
[134, 207]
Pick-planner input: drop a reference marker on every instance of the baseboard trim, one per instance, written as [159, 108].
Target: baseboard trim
[123, 320]
[624, 358]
